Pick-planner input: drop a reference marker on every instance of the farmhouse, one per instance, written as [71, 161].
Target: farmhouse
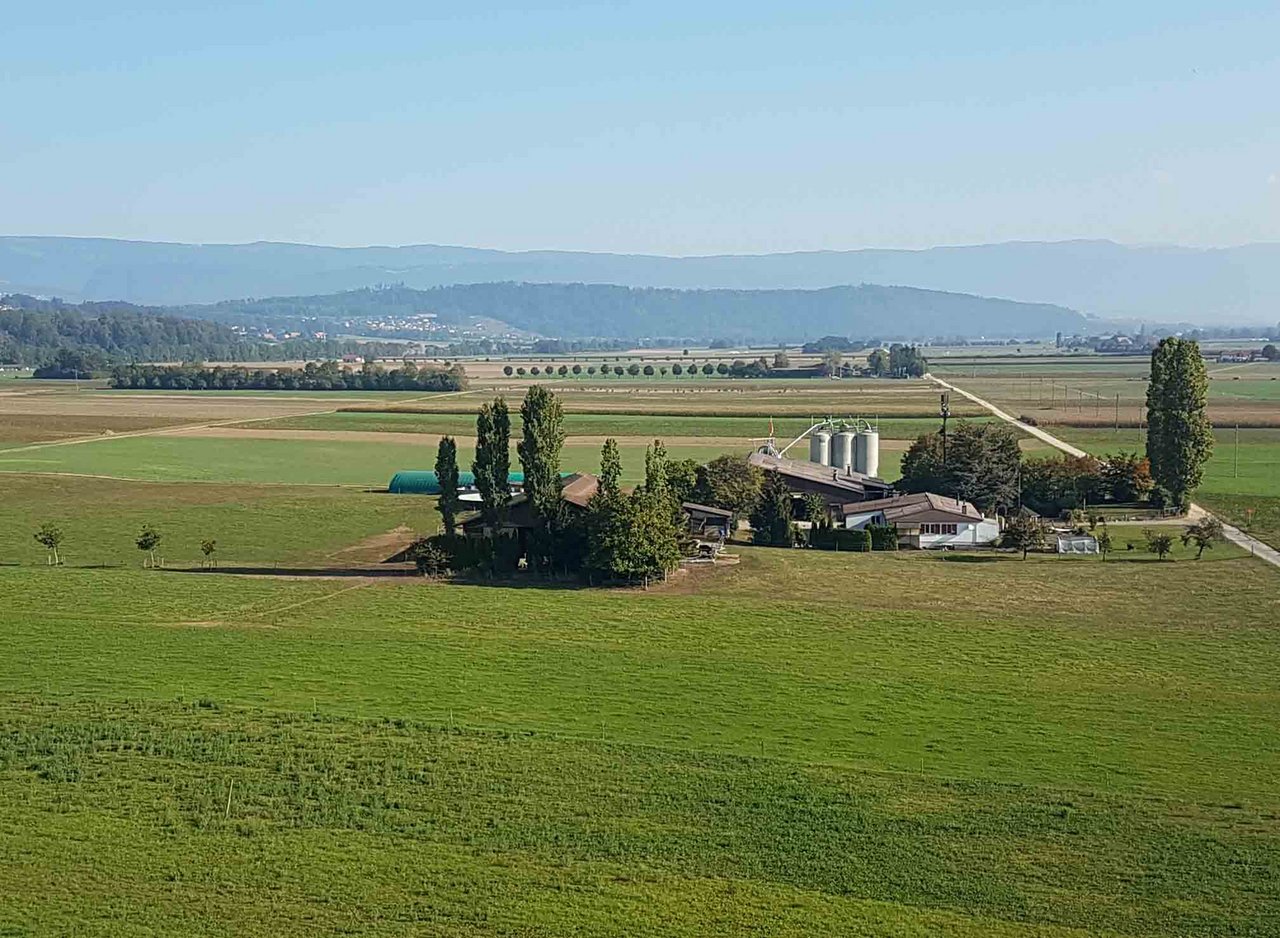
[925, 520]
[576, 491]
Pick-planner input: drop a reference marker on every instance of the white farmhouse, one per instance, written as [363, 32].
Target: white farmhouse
[926, 520]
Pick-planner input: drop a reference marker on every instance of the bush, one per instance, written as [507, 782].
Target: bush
[883, 536]
[1028, 420]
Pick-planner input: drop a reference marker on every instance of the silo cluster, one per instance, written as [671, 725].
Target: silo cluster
[846, 448]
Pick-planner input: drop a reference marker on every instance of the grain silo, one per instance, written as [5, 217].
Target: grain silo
[842, 450]
[866, 452]
[820, 448]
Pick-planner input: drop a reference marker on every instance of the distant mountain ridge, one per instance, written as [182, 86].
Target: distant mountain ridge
[579, 310]
[1101, 278]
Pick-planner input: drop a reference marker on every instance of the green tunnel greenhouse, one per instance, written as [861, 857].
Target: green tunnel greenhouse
[424, 482]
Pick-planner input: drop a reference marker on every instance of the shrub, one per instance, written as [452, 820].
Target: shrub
[883, 536]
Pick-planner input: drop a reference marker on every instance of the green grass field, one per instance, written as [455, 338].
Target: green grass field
[274, 461]
[196, 752]
[806, 743]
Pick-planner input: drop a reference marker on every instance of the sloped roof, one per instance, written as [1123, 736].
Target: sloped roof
[576, 489]
[920, 506]
[707, 509]
[854, 482]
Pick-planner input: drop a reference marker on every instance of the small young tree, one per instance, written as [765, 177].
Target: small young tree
[1104, 541]
[1204, 533]
[208, 547]
[1024, 533]
[1158, 542]
[148, 540]
[816, 510]
[50, 537]
[430, 559]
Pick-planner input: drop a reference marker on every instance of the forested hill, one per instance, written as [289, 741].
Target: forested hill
[573, 310]
[1100, 278]
[36, 332]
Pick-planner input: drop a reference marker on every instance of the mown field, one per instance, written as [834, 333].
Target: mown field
[806, 743]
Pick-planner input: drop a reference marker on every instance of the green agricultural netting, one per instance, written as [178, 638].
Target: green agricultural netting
[424, 482]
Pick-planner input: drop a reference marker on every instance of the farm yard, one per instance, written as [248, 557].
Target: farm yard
[804, 743]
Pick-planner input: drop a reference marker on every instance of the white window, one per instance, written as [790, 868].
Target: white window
[930, 528]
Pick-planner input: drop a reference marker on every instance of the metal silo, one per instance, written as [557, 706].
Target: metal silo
[842, 450]
[866, 453]
[820, 448]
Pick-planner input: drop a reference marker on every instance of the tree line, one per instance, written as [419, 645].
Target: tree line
[314, 376]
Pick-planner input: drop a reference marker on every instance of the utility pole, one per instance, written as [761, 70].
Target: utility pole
[944, 411]
[1237, 455]
[1117, 413]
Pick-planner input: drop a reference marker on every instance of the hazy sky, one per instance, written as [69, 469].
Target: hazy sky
[658, 127]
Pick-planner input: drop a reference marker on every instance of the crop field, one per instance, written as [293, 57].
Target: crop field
[1100, 393]
[307, 741]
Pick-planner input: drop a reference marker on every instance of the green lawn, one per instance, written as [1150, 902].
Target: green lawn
[808, 743]
[252, 524]
[335, 462]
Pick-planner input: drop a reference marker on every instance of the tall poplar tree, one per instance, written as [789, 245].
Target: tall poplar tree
[543, 420]
[492, 465]
[1179, 434]
[447, 476]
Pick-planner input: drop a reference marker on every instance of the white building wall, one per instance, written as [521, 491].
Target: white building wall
[968, 533]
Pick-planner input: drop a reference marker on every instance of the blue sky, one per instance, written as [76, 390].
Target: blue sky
[658, 127]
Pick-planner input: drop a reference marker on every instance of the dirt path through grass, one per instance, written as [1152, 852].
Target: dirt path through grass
[1232, 534]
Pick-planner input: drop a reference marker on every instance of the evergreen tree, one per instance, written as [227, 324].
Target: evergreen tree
[447, 476]
[1179, 435]
[771, 519]
[543, 420]
[492, 465]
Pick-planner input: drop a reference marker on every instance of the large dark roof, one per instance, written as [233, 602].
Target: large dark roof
[921, 506]
[855, 483]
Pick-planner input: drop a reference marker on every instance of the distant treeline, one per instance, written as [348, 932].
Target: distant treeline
[324, 376]
[69, 339]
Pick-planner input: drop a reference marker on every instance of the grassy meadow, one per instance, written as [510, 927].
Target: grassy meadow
[805, 743]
